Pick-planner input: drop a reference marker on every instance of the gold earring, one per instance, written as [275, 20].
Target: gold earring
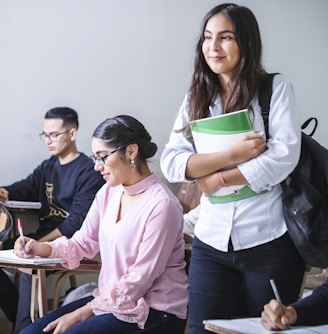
[132, 164]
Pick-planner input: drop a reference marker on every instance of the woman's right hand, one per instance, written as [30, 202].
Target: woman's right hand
[248, 147]
[32, 248]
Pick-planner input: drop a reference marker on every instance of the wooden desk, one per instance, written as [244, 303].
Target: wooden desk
[39, 300]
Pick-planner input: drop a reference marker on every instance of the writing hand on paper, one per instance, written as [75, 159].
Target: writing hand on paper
[248, 147]
[276, 316]
[32, 248]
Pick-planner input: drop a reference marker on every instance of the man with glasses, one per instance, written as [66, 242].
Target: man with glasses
[65, 184]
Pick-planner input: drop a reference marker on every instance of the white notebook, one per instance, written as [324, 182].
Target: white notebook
[253, 326]
[8, 256]
[23, 205]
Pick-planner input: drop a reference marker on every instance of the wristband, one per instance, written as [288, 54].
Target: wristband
[223, 181]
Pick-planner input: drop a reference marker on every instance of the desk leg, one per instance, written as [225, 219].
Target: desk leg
[39, 302]
[42, 293]
[34, 289]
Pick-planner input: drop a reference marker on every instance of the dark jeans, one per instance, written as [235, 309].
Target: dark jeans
[157, 323]
[23, 318]
[217, 278]
[8, 296]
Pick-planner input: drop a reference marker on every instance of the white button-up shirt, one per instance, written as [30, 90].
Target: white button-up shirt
[258, 219]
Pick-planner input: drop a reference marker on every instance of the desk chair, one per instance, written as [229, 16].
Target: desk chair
[6, 222]
[63, 274]
[39, 300]
[189, 196]
[86, 267]
[313, 280]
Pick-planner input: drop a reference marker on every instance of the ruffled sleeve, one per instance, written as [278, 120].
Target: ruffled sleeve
[121, 306]
[64, 248]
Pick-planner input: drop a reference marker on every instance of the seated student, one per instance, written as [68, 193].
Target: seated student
[65, 184]
[189, 221]
[136, 223]
[309, 311]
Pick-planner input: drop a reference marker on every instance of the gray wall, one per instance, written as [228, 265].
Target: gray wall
[107, 57]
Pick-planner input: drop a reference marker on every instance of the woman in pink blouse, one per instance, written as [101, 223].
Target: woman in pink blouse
[136, 224]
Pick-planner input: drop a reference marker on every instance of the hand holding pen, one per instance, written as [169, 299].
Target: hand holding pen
[27, 247]
[277, 296]
[21, 236]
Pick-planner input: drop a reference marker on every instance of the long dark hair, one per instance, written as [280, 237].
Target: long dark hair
[122, 130]
[205, 85]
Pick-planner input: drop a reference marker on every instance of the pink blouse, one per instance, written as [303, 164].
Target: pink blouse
[142, 254]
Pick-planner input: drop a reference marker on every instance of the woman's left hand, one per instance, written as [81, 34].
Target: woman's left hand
[209, 184]
[68, 320]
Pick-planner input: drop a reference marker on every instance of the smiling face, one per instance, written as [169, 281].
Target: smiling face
[114, 168]
[220, 47]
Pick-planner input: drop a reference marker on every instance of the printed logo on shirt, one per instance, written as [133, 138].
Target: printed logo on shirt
[54, 209]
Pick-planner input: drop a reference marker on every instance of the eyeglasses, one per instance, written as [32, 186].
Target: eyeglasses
[53, 136]
[101, 159]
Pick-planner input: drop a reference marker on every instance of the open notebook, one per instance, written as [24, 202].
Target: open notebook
[253, 326]
[8, 256]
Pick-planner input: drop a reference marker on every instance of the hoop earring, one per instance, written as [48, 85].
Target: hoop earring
[132, 164]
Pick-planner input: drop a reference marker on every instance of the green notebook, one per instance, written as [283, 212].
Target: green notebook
[219, 133]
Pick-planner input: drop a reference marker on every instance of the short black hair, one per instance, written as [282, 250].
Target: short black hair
[68, 115]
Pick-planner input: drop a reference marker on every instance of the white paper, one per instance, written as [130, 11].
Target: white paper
[253, 326]
[8, 256]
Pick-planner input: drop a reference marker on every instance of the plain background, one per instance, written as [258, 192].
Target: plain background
[109, 57]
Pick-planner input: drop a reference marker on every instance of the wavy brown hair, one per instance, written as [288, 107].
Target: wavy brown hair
[205, 85]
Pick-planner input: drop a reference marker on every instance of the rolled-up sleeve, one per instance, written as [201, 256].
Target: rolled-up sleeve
[284, 139]
[178, 150]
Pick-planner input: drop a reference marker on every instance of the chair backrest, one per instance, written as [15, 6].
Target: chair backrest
[6, 222]
[189, 195]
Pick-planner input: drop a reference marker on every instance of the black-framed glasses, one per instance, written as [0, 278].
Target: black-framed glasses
[101, 159]
[53, 136]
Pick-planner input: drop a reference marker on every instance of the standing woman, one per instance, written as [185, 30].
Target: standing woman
[243, 243]
[136, 223]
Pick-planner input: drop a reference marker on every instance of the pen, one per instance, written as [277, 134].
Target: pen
[21, 235]
[211, 111]
[277, 296]
[20, 230]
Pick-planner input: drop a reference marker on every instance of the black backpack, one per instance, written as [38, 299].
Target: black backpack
[305, 191]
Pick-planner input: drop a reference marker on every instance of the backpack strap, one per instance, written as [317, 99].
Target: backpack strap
[264, 97]
[313, 120]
